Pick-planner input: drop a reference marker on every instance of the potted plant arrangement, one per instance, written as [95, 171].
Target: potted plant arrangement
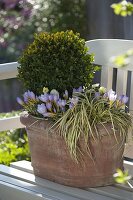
[76, 131]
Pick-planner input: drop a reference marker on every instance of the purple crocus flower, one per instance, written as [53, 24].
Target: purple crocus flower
[65, 95]
[59, 103]
[71, 105]
[20, 101]
[74, 100]
[63, 103]
[31, 95]
[37, 98]
[111, 95]
[28, 95]
[41, 108]
[54, 92]
[48, 106]
[63, 109]
[123, 99]
[105, 95]
[74, 90]
[55, 110]
[44, 97]
[97, 94]
[80, 89]
[25, 95]
[51, 97]
[55, 97]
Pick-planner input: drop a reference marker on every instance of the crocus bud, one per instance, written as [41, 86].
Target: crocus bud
[102, 90]
[54, 92]
[20, 101]
[45, 90]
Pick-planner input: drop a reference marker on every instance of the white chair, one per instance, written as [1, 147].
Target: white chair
[104, 50]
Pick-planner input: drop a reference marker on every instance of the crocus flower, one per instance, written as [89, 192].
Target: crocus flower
[41, 108]
[20, 101]
[102, 90]
[74, 90]
[28, 95]
[111, 95]
[44, 97]
[105, 95]
[71, 105]
[63, 109]
[48, 106]
[80, 89]
[55, 110]
[97, 94]
[51, 97]
[45, 90]
[54, 92]
[65, 95]
[55, 97]
[31, 95]
[74, 100]
[123, 99]
[63, 103]
[59, 102]
[25, 95]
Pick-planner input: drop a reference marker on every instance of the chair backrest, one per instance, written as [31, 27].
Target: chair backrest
[104, 50]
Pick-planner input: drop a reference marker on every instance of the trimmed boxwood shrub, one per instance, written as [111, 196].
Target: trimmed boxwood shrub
[56, 60]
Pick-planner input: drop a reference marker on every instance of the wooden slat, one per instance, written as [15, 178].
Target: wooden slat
[114, 192]
[23, 165]
[10, 123]
[34, 190]
[8, 70]
[104, 76]
[13, 189]
[121, 84]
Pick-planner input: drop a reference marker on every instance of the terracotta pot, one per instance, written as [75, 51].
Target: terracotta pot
[51, 159]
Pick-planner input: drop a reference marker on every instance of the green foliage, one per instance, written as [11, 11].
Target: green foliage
[13, 145]
[83, 120]
[124, 59]
[22, 19]
[123, 8]
[56, 60]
